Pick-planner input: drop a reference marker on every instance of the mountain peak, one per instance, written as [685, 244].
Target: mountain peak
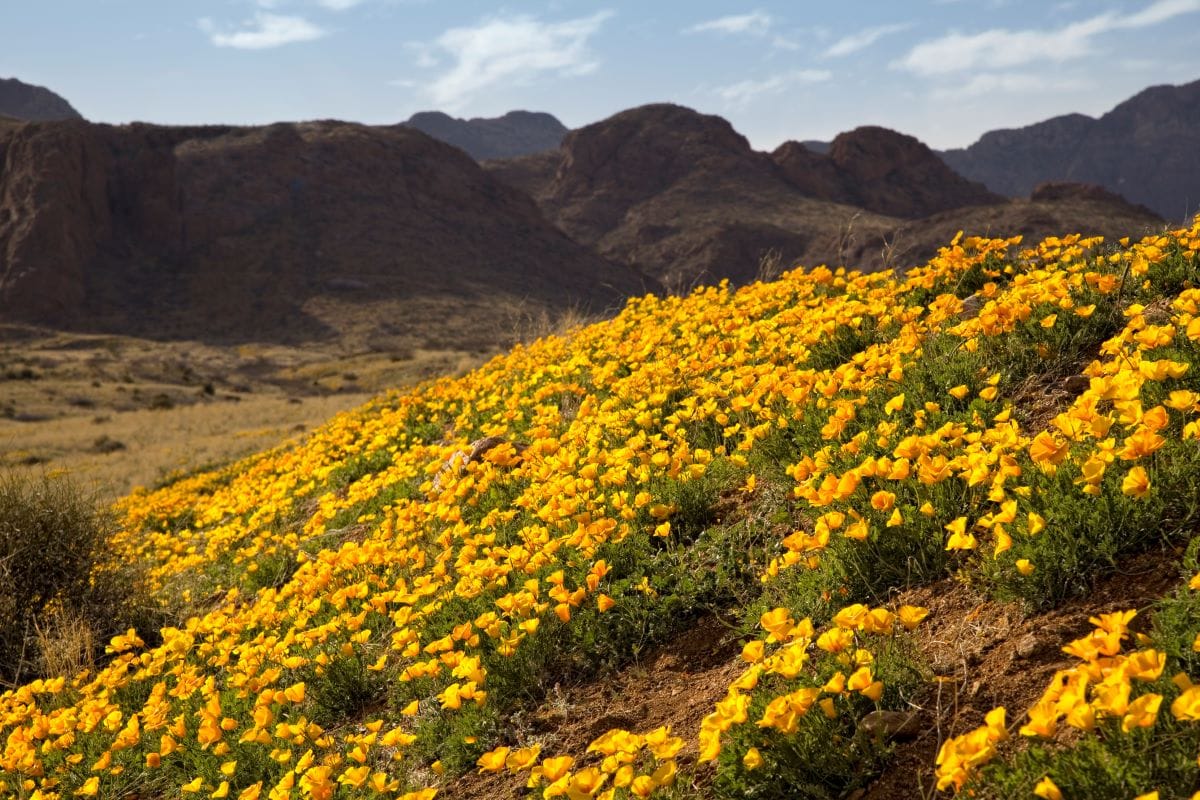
[880, 170]
[33, 103]
[517, 133]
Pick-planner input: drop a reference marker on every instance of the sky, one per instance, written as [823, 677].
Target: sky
[945, 71]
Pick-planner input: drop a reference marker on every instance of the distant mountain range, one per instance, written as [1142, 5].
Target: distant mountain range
[1144, 149]
[517, 133]
[683, 197]
[1147, 149]
[382, 234]
[25, 101]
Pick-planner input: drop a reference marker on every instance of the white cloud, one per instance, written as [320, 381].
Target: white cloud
[338, 5]
[756, 23]
[1000, 48]
[1158, 12]
[863, 39]
[508, 50]
[742, 93]
[991, 83]
[263, 31]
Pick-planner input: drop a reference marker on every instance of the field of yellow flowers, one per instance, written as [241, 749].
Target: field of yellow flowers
[367, 613]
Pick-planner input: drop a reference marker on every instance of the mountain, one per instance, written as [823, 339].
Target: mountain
[517, 133]
[339, 231]
[1145, 149]
[24, 101]
[682, 196]
[285, 232]
[882, 171]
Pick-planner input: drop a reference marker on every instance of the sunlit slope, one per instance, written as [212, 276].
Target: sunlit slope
[366, 613]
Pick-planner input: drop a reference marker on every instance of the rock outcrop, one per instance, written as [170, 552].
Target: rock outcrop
[682, 196]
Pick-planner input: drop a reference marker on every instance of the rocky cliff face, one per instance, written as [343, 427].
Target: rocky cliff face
[1144, 149]
[517, 133]
[292, 230]
[882, 171]
[25, 101]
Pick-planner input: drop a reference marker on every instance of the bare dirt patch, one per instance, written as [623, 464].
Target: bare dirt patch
[677, 685]
[983, 654]
[986, 654]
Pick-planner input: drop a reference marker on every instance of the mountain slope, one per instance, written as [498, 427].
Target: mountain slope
[292, 230]
[36, 103]
[1144, 149]
[517, 133]
[873, 483]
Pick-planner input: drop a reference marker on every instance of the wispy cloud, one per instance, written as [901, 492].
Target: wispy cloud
[1000, 48]
[263, 31]
[863, 39]
[992, 83]
[339, 5]
[744, 92]
[506, 51]
[756, 23]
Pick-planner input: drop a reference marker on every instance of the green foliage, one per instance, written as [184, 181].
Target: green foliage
[824, 758]
[52, 537]
[1111, 763]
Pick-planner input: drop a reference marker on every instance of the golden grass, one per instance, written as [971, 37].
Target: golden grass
[117, 412]
[157, 443]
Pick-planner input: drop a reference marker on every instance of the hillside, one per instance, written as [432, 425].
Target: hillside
[290, 232]
[1143, 149]
[517, 133]
[36, 103]
[834, 530]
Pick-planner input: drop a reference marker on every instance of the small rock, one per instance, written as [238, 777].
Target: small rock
[1077, 384]
[971, 307]
[889, 724]
[459, 460]
[1027, 646]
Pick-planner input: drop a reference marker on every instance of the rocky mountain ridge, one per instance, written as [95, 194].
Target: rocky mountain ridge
[1144, 149]
[298, 231]
[682, 195]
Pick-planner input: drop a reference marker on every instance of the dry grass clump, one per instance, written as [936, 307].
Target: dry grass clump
[54, 604]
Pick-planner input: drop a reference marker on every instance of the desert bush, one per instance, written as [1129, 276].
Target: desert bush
[52, 539]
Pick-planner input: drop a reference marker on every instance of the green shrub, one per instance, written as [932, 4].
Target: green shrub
[53, 538]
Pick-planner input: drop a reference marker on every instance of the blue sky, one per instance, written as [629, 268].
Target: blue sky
[942, 70]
